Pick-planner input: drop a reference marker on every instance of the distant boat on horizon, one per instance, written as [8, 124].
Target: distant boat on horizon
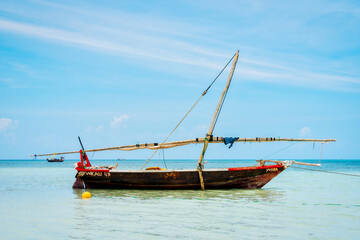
[61, 159]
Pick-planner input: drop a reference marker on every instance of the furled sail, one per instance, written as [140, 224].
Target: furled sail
[155, 146]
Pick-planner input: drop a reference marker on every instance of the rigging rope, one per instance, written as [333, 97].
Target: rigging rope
[163, 151]
[279, 150]
[219, 74]
[193, 106]
[173, 130]
[159, 159]
[316, 170]
[223, 100]
[322, 147]
[222, 103]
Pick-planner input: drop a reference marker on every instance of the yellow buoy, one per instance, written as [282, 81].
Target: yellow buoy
[86, 195]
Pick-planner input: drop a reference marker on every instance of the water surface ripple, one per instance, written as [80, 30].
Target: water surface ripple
[37, 202]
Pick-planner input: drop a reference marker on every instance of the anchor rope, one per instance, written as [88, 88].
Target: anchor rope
[316, 170]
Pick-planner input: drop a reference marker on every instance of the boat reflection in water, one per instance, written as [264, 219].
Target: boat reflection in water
[247, 195]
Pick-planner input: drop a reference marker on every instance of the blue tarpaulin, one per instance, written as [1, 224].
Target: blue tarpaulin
[230, 140]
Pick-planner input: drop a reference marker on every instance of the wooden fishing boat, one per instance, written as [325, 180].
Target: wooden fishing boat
[61, 159]
[252, 177]
[222, 178]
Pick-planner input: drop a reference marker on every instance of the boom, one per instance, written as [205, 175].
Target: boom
[155, 146]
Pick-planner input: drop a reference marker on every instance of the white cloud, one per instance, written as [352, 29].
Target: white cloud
[305, 131]
[7, 123]
[118, 120]
[91, 129]
[187, 54]
[12, 83]
[124, 34]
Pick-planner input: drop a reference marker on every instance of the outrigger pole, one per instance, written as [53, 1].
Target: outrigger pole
[214, 120]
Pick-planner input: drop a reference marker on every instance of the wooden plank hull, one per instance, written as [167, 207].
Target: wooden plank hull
[55, 160]
[243, 178]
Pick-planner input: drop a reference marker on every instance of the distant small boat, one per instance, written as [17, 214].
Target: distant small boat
[61, 159]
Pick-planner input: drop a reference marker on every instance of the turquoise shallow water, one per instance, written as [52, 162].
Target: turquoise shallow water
[37, 202]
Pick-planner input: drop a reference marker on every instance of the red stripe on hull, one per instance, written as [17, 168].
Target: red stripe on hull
[91, 170]
[256, 167]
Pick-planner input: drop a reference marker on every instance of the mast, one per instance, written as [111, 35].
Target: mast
[214, 120]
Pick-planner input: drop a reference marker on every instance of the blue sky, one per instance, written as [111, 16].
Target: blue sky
[125, 72]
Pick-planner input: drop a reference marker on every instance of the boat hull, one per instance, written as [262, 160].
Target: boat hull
[226, 178]
[55, 160]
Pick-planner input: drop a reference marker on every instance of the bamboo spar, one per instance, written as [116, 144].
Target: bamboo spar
[154, 146]
[213, 121]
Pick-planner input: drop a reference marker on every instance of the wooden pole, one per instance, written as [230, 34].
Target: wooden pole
[213, 121]
[292, 162]
[155, 146]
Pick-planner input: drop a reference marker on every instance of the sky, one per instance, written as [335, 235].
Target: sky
[125, 72]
